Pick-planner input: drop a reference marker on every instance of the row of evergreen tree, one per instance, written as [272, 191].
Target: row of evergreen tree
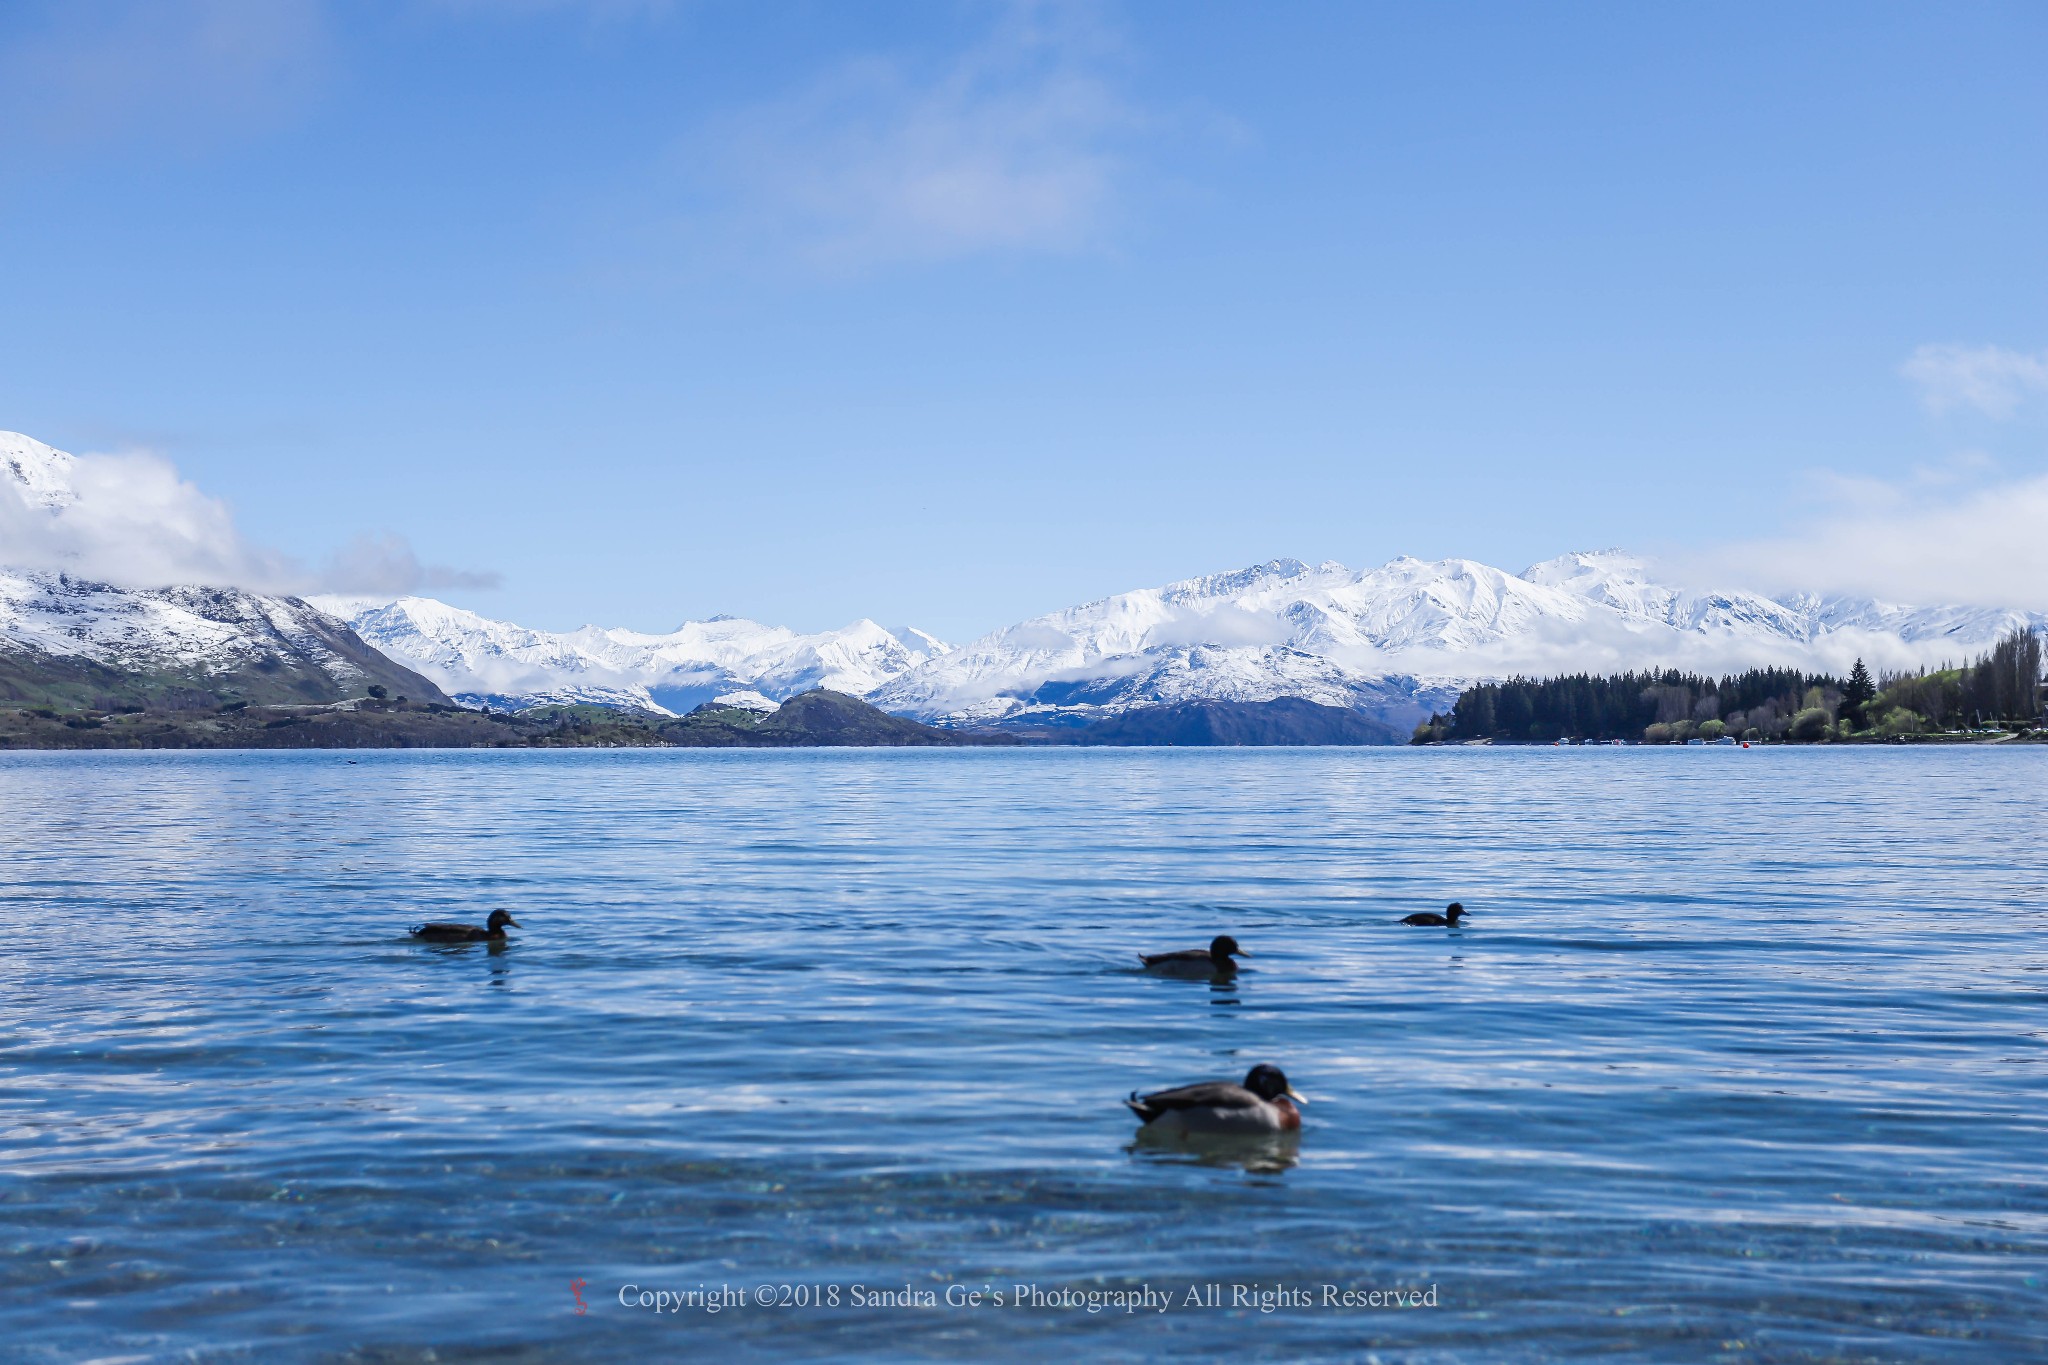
[2003, 687]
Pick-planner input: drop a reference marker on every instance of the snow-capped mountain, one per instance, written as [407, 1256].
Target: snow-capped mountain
[101, 645]
[93, 643]
[1395, 642]
[1402, 639]
[38, 476]
[494, 663]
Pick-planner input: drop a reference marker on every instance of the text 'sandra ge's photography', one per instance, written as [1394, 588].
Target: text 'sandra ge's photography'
[1211, 1296]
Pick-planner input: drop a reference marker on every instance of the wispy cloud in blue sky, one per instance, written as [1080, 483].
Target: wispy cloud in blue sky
[1015, 143]
[178, 73]
[1988, 379]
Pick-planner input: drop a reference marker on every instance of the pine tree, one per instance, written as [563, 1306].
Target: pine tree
[1857, 693]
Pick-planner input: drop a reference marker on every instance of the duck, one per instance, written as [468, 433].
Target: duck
[442, 931]
[1265, 1103]
[1448, 917]
[1211, 961]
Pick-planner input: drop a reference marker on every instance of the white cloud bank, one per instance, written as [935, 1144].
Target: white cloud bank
[131, 520]
[1920, 541]
[1955, 534]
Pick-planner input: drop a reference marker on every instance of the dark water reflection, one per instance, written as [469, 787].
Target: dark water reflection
[1739, 1056]
[1266, 1155]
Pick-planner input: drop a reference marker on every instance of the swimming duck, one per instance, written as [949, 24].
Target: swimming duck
[1265, 1103]
[1211, 961]
[443, 931]
[1449, 916]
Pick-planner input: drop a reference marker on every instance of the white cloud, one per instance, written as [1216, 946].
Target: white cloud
[131, 520]
[1604, 643]
[1011, 146]
[1924, 540]
[1990, 379]
[384, 565]
[1222, 623]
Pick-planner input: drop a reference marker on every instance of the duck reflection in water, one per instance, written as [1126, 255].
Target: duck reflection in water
[497, 948]
[1260, 1153]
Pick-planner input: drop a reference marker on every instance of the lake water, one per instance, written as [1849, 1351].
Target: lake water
[1740, 1055]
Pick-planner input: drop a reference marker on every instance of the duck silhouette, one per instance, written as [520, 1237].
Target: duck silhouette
[1214, 960]
[445, 931]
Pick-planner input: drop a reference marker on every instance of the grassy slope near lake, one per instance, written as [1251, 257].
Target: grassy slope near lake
[282, 676]
[814, 719]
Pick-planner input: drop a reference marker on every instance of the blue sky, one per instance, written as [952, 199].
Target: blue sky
[948, 314]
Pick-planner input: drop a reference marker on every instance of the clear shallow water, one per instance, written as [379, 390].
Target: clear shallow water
[1741, 1055]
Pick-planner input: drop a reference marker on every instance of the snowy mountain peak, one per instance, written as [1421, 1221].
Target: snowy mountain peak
[1405, 636]
[1581, 565]
[920, 642]
[497, 663]
[40, 475]
[1229, 584]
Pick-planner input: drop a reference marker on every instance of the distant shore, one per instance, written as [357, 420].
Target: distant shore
[2004, 738]
[813, 719]
[817, 719]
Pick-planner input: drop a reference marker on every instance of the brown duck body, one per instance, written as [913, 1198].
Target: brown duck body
[1265, 1103]
[447, 931]
[1449, 918]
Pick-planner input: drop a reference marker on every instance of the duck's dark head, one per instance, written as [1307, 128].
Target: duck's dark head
[1452, 911]
[499, 919]
[1223, 948]
[1270, 1083]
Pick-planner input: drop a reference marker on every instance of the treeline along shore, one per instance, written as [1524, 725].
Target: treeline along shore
[1999, 696]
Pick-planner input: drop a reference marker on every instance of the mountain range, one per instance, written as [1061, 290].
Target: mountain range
[1391, 643]
[1387, 645]
[76, 642]
[728, 659]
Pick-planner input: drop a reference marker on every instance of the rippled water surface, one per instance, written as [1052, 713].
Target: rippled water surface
[1740, 1055]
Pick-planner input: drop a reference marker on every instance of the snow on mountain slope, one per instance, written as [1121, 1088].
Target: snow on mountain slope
[1401, 639]
[1395, 641]
[495, 663]
[39, 475]
[61, 634]
[218, 641]
[1839, 628]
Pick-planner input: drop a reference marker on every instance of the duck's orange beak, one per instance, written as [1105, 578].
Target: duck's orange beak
[1296, 1095]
